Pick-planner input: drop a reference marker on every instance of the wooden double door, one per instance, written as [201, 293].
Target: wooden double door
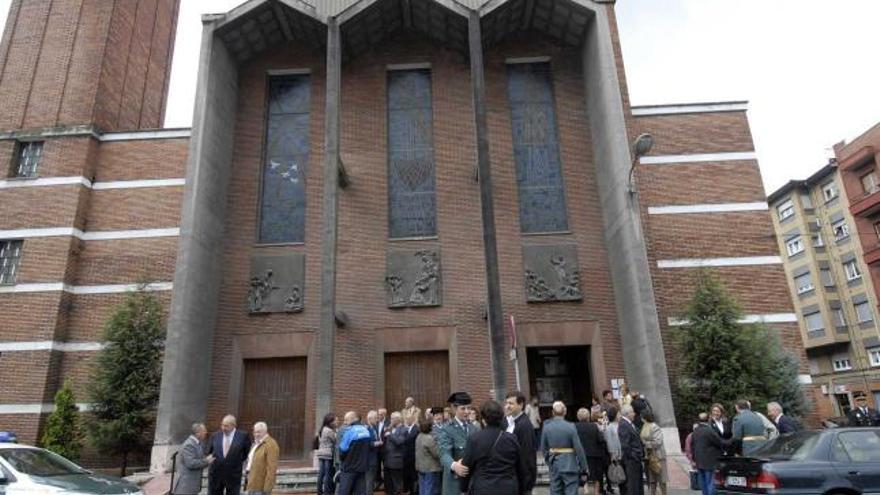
[274, 391]
[424, 376]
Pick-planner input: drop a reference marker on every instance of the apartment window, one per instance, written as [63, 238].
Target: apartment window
[839, 317]
[842, 364]
[874, 356]
[804, 283]
[27, 159]
[869, 182]
[795, 246]
[852, 270]
[817, 240]
[283, 196]
[863, 312]
[826, 277]
[806, 202]
[877, 229]
[785, 210]
[412, 199]
[536, 148]
[840, 229]
[829, 191]
[814, 322]
[814, 366]
[10, 254]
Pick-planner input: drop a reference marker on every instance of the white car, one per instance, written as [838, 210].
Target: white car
[26, 470]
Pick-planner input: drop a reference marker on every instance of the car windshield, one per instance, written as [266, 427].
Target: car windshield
[793, 447]
[36, 462]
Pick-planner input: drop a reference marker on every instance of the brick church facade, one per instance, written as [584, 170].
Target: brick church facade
[320, 237]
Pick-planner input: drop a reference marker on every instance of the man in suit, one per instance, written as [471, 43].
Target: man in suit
[262, 462]
[230, 447]
[381, 425]
[451, 440]
[563, 453]
[410, 478]
[784, 424]
[395, 447]
[192, 461]
[707, 447]
[632, 453]
[862, 415]
[518, 424]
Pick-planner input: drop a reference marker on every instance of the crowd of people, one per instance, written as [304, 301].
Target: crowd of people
[614, 445]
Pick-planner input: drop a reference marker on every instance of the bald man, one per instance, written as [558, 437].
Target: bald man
[230, 448]
[563, 452]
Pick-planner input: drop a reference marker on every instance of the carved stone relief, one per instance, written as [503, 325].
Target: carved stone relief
[552, 273]
[413, 278]
[276, 284]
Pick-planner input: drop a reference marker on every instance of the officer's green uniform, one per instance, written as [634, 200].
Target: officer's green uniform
[564, 456]
[748, 428]
[451, 439]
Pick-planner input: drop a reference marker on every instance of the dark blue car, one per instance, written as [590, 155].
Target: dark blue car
[838, 461]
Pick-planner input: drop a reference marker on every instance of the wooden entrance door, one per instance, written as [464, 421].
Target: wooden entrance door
[274, 391]
[424, 376]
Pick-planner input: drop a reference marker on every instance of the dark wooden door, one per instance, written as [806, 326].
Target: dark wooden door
[424, 376]
[274, 391]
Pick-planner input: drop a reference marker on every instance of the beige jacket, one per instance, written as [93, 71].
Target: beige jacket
[261, 477]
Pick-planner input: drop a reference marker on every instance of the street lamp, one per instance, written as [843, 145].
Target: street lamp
[641, 146]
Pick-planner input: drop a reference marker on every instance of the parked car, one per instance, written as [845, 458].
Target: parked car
[837, 461]
[31, 470]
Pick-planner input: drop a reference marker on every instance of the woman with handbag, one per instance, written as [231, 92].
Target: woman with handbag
[491, 461]
[655, 454]
[615, 473]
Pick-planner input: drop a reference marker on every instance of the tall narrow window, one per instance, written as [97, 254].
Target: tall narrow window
[412, 203]
[536, 148]
[10, 253]
[283, 201]
[27, 158]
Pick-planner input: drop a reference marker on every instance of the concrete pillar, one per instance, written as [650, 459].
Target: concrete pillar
[644, 358]
[497, 336]
[191, 321]
[327, 329]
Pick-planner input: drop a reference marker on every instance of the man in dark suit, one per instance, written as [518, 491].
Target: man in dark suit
[518, 423]
[395, 452]
[410, 426]
[230, 448]
[784, 424]
[862, 415]
[707, 446]
[632, 453]
[381, 426]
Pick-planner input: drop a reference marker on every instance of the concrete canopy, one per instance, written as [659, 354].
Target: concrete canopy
[565, 21]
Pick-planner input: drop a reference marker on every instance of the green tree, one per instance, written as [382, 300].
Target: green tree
[723, 360]
[124, 388]
[63, 434]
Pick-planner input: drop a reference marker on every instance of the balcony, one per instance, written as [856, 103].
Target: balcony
[826, 337]
[866, 205]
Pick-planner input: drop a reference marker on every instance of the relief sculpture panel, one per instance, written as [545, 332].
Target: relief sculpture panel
[552, 273]
[413, 278]
[276, 283]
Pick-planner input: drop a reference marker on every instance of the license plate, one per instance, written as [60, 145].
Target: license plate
[739, 481]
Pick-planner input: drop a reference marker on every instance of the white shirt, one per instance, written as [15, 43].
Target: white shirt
[251, 454]
[511, 420]
[720, 424]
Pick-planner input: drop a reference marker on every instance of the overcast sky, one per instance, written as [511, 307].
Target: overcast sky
[808, 70]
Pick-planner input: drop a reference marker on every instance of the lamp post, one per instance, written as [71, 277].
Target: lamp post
[641, 146]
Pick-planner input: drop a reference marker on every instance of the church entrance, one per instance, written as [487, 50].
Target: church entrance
[274, 391]
[560, 373]
[424, 376]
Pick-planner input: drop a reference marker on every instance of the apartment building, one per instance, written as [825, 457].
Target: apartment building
[830, 287]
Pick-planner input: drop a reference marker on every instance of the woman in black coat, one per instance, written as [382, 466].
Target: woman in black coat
[492, 457]
[593, 441]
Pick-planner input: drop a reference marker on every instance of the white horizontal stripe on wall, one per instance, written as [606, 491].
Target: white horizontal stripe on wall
[701, 262]
[707, 208]
[88, 236]
[82, 289]
[50, 345]
[65, 181]
[36, 408]
[698, 157]
[133, 184]
[767, 318]
[731, 106]
[144, 135]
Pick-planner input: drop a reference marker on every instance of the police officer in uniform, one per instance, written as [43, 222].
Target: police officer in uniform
[563, 453]
[451, 439]
[862, 415]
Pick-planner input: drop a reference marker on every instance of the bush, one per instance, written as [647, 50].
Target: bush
[63, 434]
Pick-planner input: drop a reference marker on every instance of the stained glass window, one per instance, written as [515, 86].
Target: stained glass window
[283, 200]
[536, 148]
[412, 207]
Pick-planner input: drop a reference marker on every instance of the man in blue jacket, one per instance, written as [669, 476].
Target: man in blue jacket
[354, 456]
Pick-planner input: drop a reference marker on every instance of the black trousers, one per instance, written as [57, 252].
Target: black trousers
[633, 484]
[393, 481]
[224, 485]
